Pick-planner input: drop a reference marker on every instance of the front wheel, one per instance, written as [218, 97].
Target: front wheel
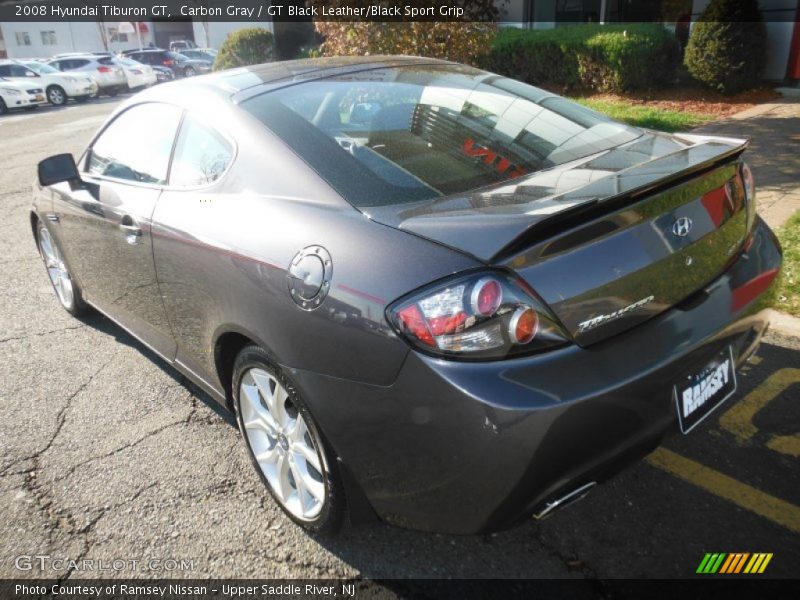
[67, 290]
[56, 95]
[3, 107]
[189, 72]
[285, 445]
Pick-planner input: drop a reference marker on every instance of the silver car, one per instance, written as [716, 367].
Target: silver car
[109, 76]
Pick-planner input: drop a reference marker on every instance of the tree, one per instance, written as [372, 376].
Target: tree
[245, 47]
[727, 46]
[463, 41]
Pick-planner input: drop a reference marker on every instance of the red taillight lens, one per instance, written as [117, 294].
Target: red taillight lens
[414, 323]
[486, 297]
[524, 325]
[477, 315]
[103, 69]
[167, 62]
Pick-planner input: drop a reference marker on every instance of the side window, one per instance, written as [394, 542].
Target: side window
[137, 144]
[201, 155]
[5, 71]
[77, 63]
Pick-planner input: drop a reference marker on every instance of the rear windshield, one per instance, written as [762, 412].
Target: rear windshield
[404, 134]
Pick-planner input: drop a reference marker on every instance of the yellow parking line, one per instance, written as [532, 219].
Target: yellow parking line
[785, 444]
[739, 418]
[776, 510]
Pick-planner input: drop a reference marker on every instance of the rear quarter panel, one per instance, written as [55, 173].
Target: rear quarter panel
[222, 255]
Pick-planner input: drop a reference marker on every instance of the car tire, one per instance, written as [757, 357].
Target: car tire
[82, 99]
[189, 72]
[66, 288]
[277, 426]
[3, 107]
[56, 95]
[112, 92]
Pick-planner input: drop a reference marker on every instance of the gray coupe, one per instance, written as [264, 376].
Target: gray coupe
[428, 292]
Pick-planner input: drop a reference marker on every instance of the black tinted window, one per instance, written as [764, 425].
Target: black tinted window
[395, 135]
[201, 155]
[136, 146]
[15, 71]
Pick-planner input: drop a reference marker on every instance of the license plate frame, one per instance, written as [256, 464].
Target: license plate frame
[687, 421]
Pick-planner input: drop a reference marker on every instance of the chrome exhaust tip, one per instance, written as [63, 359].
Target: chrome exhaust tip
[564, 501]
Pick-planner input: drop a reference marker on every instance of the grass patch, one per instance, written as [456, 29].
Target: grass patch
[646, 116]
[789, 291]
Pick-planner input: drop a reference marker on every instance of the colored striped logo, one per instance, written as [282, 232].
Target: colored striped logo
[734, 563]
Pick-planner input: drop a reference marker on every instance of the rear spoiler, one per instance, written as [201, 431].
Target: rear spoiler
[627, 187]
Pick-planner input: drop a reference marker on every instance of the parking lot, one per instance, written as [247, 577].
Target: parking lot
[108, 453]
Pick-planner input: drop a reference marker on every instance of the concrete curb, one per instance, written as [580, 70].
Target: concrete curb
[785, 324]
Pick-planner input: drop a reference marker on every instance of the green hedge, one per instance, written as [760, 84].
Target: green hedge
[245, 47]
[728, 46]
[604, 58]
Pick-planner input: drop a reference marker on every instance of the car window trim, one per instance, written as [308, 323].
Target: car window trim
[224, 135]
[84, 160]
[166, 185]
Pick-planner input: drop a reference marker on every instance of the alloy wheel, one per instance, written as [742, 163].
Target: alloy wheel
[56, 96]
[282, 444]
[56, 269]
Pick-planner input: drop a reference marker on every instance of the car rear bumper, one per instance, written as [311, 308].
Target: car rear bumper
[468, 447]
[81, 88]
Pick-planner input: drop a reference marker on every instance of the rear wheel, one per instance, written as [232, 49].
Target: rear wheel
[112, 92]
[3, 107]
[67, 290]
[285, 445]
[56, 95]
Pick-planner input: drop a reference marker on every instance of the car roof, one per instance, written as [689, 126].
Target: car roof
[241, 83]
[244, 82]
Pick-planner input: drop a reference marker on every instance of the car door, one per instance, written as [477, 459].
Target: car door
[195, 196]
[105, 223]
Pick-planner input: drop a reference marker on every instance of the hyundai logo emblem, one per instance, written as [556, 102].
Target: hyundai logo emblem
[682, 227]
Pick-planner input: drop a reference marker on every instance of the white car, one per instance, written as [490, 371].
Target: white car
[138, 75]
[100, 66]
[18, 94]
[58, 87]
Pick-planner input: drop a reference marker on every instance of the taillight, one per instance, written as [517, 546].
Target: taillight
[749, 193]
[103, 69]
[484, 315]
[167, 62]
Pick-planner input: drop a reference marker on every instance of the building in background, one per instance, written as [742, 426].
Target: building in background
[42, 40]
[782, 20]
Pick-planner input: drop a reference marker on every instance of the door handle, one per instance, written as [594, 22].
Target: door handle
[131, 230]
[129, 227]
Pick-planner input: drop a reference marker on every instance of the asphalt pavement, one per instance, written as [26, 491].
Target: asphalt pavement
[108, 454]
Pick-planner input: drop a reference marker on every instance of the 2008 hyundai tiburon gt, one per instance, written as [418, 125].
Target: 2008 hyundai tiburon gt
[425, 290]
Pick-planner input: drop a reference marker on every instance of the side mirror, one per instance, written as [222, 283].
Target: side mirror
[58, 168]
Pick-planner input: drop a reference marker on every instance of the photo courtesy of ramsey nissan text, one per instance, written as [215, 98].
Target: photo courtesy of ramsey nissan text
[399, 298]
